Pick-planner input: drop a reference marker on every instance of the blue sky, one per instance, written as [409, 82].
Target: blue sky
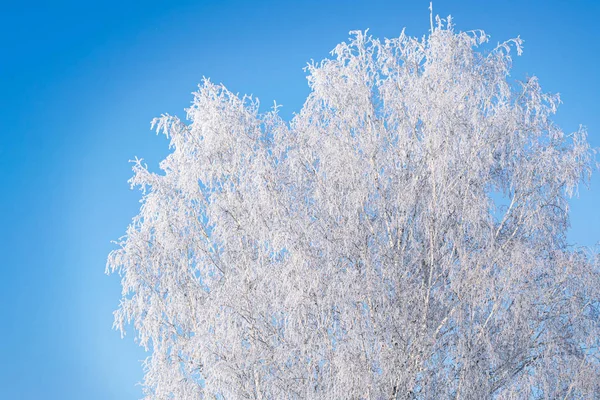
[79, 84]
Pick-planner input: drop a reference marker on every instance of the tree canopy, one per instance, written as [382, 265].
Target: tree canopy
[402, 237]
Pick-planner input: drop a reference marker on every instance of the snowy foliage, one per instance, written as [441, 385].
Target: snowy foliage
[403, 237]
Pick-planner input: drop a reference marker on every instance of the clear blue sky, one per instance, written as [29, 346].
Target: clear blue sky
[79, 84]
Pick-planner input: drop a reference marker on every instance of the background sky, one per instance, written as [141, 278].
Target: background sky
[79, 84]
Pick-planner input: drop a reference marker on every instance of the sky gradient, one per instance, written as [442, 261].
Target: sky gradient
[80, 83]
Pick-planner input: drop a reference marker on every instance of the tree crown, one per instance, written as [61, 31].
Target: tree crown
[402, 237]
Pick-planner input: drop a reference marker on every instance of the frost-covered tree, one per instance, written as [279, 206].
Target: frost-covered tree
[403, 237]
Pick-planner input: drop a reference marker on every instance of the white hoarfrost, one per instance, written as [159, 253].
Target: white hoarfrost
[403, 237]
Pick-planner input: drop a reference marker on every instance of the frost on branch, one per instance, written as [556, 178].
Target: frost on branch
[402, 237]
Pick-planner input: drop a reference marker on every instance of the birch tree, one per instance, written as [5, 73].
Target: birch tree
[402, 237]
